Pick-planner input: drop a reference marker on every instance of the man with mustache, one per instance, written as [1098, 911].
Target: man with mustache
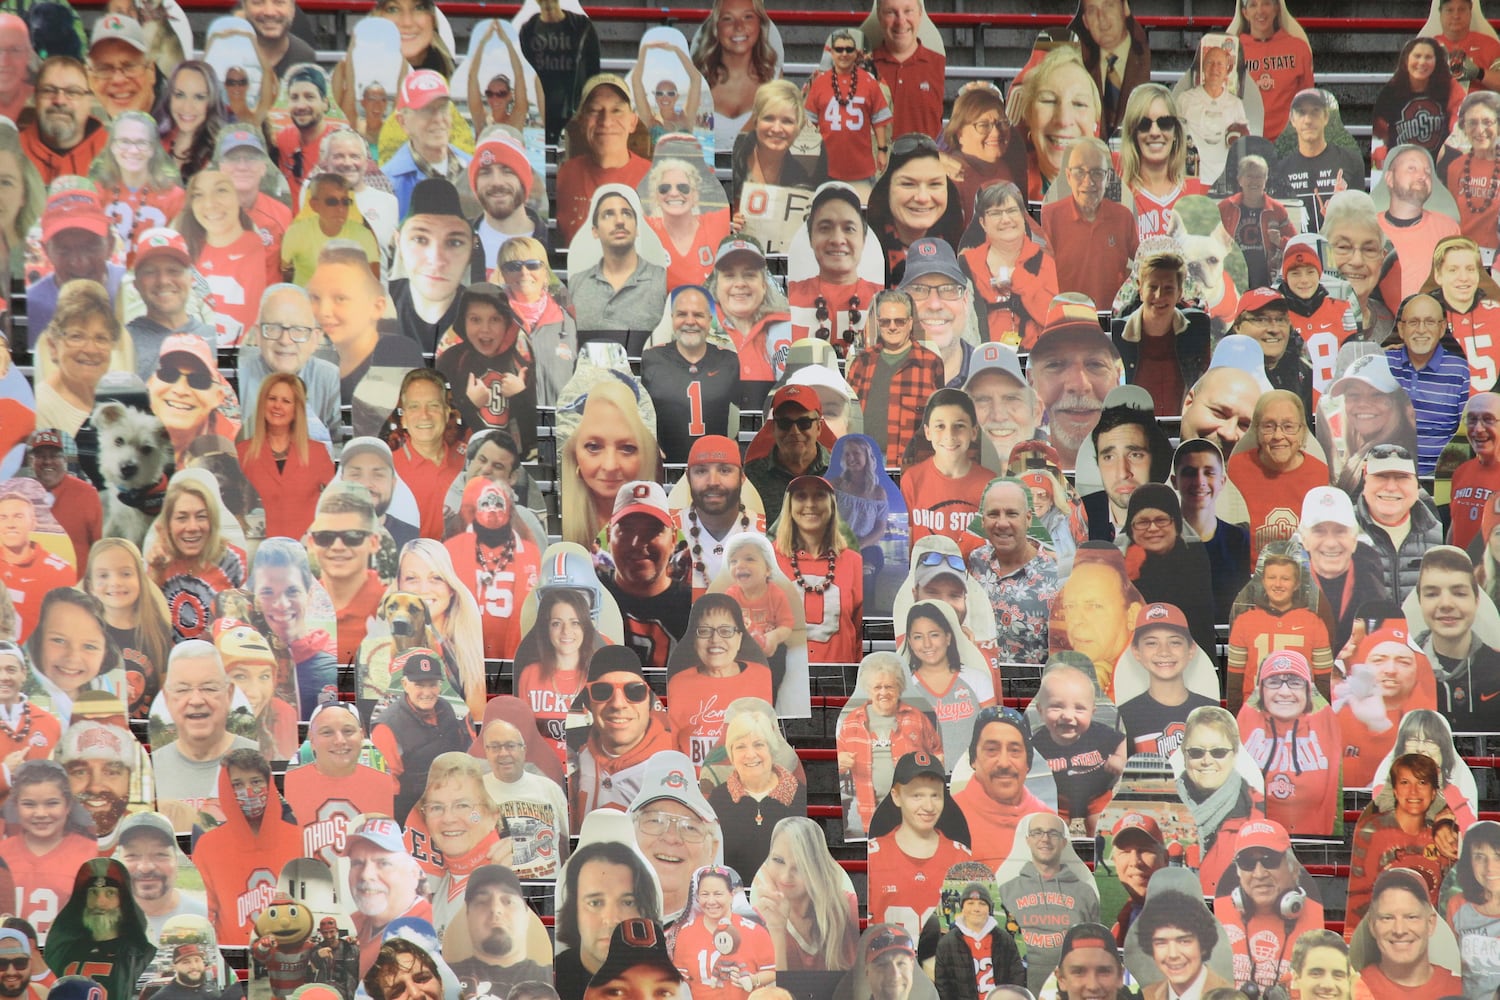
[100, 761]
[692, 382]
[189, 975]
[100, 932]
[383, 883]
[996, 797]
[15, 968]
[1411, 228]
[500, 178]
[499, 921]
[916, 835]
[623, 291]
[148, 850]
[654, 604]
[1477, 480]
[1072, 368]
[64, 137]
[1268, 910]
[716, 477]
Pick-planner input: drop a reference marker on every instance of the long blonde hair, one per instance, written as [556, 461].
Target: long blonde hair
[299, 418]
[166, 549]
[153, 629]
[461, 629]
[833, 539]
[1130, 154]
[577, 504]
[826, 886]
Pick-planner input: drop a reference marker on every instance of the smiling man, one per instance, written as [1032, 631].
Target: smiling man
[1269, 908]
[272, 21]
[1009, 410]
[424, 111]
[1397, 516]
[1403, 922]
[914, 72]
[1467, 668]
[148, 850]
[1316, 169]
[1094, 239]
[414, 728]
[1346, 569]
[383, 883]
[100, 760]
[898, 378]
[1179, 934]
[64, 137]
[692, 382]
[346, 153]
[75, 503]
[1434, 375]
[1072, 367]
[1278, 470]
[912, 843]
[164, 277]
[1046, 897]
[307, 102]
[716, 478]
[796, 422]
[1198, 477]
[1089, 967]
[500, 178]
[1220, 406]
[1099, 607]
[1018, 575]
[75, 235]
[1407, 223]
[1116, 54]
[675, 828]
[329, 197]
[996, 797]
[121, 72]
[288, 336]
[654, 604]
[606, 119]
[1477, 480]
[196, 691]
[622, 737]
[1262, 317]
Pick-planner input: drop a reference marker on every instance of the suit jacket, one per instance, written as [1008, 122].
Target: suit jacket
[1158, 990]
[1137, 69]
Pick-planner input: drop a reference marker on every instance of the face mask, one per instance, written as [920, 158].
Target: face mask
[252, 802]
[492, 511]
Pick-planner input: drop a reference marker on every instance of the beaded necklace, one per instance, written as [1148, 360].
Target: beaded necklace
[700, 571]
[812, 588]
[1493, 189]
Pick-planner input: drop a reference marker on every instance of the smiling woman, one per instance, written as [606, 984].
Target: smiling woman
[1279, 725]
[79, 342]
[1058, 102]
[719, 667]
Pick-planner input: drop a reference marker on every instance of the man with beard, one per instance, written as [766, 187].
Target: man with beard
[532, 805]
[622, 737]
[1093, 239]
[100, 761]
[623, 291]
[164, 276]
[75, 235]
[425, 112]
[297, 144]
[1266, 909]
[1198, 477]
[500, 178]
[1017, 574]
[435, 245]
[75, 503]
[1397, 516]
[1008, 408]
[15, 968]
[605, 121]
[1072, 368]
[148, 849]
[367, 462]
[1047, 896]
[692, 382]
[287, 335]
[1345, 567]
[336, 960]
[100, 932]
[272, 21]
[413, 729]
[1410, 227]
[123, 76]
[1219, 407]
[64, 137]
[347, 154]
[1132, 450]
[996, 797]
[499, 564]
[196, 692]
[716, 477]
[499, 921]
[189, 976]
[383, 882]
[654, 605]
[940, 321]
[1476, 481]
[241, 154]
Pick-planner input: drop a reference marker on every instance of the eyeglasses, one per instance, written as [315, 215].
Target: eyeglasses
[1284, 681]
[1248, 861]
[122, 69]
[77, 338]
[953, 562]
[517, 266]
[236, 83]
[986, 126]
[136, 144]
[196, 379]
[1423, 324]
[843, 50]
[330, 202]
[71, 93]
[210, 690]
[298, 334]
[1198, 753]
[948, 293]
[350, 537]
[723, 631]
[892, 324]
[1076, 174]
[668, 188]
[654, 824]
[1287, 427]
[16, 964]
[634, 691]
[497, 95]
[441, 809]
[801, 423]
[1369, 251]
[1166, 123]
[513, 746]
[1152, 523]
[1046, 834]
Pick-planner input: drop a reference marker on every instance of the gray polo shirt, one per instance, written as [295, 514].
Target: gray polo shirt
[638, 304]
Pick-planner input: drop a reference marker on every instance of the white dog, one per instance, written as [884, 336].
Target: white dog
[135, 454]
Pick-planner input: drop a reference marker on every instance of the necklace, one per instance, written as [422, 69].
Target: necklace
[812, 588]
[853, 79]
[1491, 190]
[493, 563]
[820, 306]
[699, 569]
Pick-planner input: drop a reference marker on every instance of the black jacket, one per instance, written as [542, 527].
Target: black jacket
[1193, 348]
[954, 972]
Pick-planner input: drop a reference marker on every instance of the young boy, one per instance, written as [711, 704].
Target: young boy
[942, 492]
[909, 861]
[1086, 758]
[1155, 720]
[1323, 322]
[1282, 620]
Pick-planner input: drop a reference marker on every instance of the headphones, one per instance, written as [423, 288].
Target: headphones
[1288, 905]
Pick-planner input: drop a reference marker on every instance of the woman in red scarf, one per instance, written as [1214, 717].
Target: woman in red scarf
[454, 828]
[1014, 278]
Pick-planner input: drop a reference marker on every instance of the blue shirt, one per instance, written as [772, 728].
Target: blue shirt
[1439, 392]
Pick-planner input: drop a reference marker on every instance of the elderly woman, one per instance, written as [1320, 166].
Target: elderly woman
[1217, 795]
[1358, 251]
[1164, 349]
[877, 732]
[1014, 279]
[759, 792]
[188, 548]
[978, 138]
[50, 835]
[812, 549]
[463, 823]
[831, 304]
[753, 313]
[1402, 836]
[71, 652]
[1285, 726]
[1056, 102]
[136, 177]
[135, 616]
[611, 446]
[674, 210]
[1473, 177]
[763, 152]
[724, 664]
[913, 199]
[281, 583]
[1471, 299]
[1213, 114]
[1475, 912]
[1153, 160]
[286, 469]
[1276, 56]
[190, 112]
[540, 303]
[1422, 80]
[734, 51]
[78, 343]
[1279, 466]
[806, 901]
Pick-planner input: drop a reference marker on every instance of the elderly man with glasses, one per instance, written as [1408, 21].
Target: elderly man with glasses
[897, 376]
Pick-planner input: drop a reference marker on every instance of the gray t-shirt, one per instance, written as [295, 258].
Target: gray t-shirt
[192, 781]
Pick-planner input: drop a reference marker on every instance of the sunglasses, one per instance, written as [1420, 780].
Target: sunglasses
[1166, 123]
[350, 538]
[634, 691]
[16, 964]
[668, 188]
[914, 143]
[843, 50]
[953, 562]
[801, 423]
[1248, 861]
[666, 93]
[497, 95]
[336, 202]
[236, 83]
[196, 379]
[1198, 753]
[517, 266]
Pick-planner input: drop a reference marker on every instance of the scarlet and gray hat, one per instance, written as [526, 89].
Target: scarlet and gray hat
[420, 88]
[994, 357]
[1265, 834]
[119, 28]
[716, 449]
[802, 395]
[887, 939]
[1286, 663]
[1257, 299]
[1161, 615]
[731, 246]
[162, 242]
[670, 774]
[1324, 504]
[931, 256]
[642, 497]
[96, 741]
[1137, 822]
[45, 438]
[506, 151]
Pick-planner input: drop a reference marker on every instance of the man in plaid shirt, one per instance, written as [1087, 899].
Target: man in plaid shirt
[897, 378]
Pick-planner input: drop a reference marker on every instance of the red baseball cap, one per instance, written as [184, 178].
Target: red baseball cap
[1257, 299]
[1266, 834]
[1137, 821]
[714, 448]
[162, 242]
[1162, 614]
[804, 396]
[75, 208]
[420, 88]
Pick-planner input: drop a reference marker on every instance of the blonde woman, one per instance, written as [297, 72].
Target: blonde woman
[426, 570]
[1055, 103]
[762, 153]
[759, 792]
[187, 538]
[610, 447]
[540, 303]
[286, 469]
[689, 232]
[1153, 159]
[806, 900]
[135, 616]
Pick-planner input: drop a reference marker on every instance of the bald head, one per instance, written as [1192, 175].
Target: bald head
[1220, 406]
